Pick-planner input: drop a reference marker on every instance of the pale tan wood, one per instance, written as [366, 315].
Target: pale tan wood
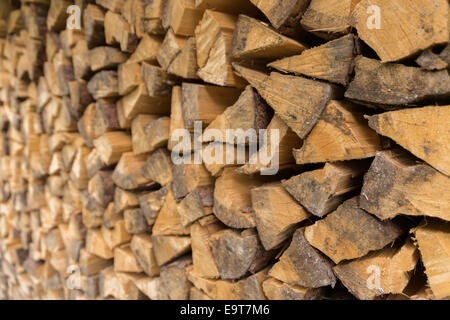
[433, 242]
[393, 266]
[331, 61]
[232, 200]
[284, 94]
[255, 40]
[276, 214]
[422, 131]
[277, 290]
[341, 133]
[412, 21]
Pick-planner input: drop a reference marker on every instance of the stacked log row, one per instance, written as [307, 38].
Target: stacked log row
[94, 206]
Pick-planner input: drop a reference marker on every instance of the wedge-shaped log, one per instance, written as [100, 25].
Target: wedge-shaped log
[142, 247]
[433, 240]
[204, 103]
[276, 213]
[196, 205]
[396, 184]
[277, 290]
[202, 251]
[152, 202]
[282, 12]
[253, 39]
[237, 253]
[404, 29]
[422, 131]
[350, 232]
[323, 190]
[328, 18]
[393, 266]
[104, 84]
[168, 248]
[168, 222]
[232, 200]
[188, 177]
[184, 64]
[332, 61]
[128, 172]
[105, 58]
[249, 288]
[249, 112]
[276, 150]
[297, 101]
[341, 133]
[159, 167]
[303, 265]
[112, 145]
[393, 84]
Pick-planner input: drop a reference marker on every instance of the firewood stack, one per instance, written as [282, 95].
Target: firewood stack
[93, 205]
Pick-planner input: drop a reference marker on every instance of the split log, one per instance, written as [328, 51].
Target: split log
[124, 200]
[170, 48]
[125, 260]
[182, 16]
[127, 174]
[237, 253]
[254, 40]
[112, 145]
[174, 279]
[188, 177]
[105, 58]
[286, 93]
[140, 102]
[142, 247]
[94, 26]
[422, 131]
[104, 84]
[392, 266]
[282, 12]
[196, 205]
[323, 190]
[232, 200]
[245, 289]
[184, 64]
[392, 84]
[433, 241]
[303, 265]
[202, 252]
[341, 133]
[396, 184]
[421, 25]
[168, 248]
[149, 134]
[204, 103]
[168, 222]
[152, 202]
[350, 232]
[276, 214]
[129, 77]
[159, 167]
[328, 18]
[277, 290]
[135, 222]
[332, 61]
[275, 152]
[249, 112]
